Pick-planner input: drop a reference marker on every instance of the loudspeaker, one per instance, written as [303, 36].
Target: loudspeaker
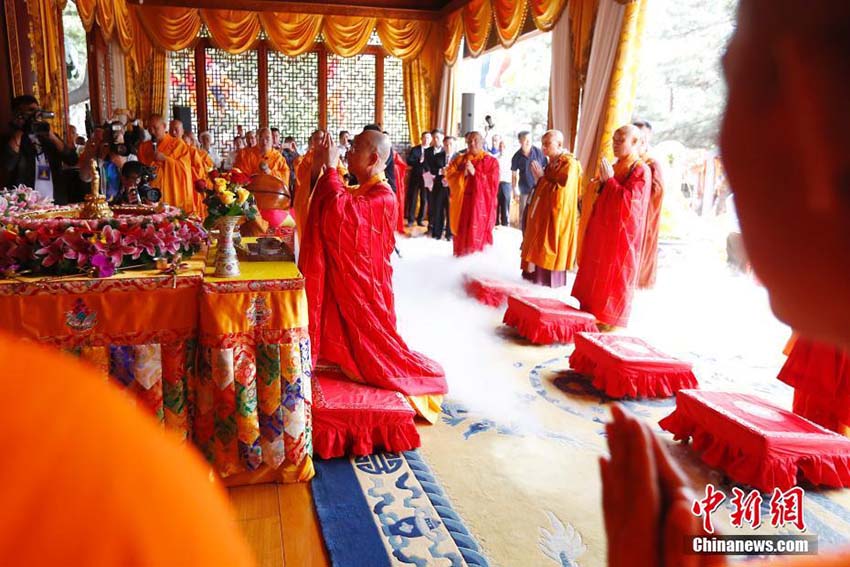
[467, 113]
[184, 115]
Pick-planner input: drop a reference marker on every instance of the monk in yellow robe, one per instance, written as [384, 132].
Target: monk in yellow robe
[201, 161]
[549, 242]
[781, 62]
[263, 158]
[173, 162]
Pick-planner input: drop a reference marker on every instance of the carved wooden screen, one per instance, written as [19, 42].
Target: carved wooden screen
[394, 115]
[351, 92]
[232, 92]
[294, 94]
[182, 86]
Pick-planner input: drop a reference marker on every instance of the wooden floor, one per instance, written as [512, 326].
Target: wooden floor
[280, 523]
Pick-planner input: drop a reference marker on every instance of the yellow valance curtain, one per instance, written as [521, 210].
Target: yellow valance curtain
[474, 21]
[346, 35]
[232, 30]
[286, 32]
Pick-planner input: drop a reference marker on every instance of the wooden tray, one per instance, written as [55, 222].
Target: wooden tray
[250, 252]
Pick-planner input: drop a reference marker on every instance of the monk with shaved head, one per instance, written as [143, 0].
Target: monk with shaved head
[173, 161]
[786, 59]
[263, 158]
[549, 242]
[345, 258]
[201, 162]
[473, 177]
[610, 258]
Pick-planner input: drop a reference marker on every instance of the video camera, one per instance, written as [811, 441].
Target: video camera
[110, 131]
[148, 194]
[34, 123]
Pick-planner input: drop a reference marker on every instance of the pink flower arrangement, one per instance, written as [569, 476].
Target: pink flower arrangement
[18, 199]
[70, 245]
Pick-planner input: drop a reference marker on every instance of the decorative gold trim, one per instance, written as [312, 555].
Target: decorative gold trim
[14, 48]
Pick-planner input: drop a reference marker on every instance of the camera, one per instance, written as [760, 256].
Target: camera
[148, 194]
[34, 123]
[111, 132]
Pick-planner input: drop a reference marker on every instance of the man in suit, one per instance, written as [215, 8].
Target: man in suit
[416, 190]
[437, 157]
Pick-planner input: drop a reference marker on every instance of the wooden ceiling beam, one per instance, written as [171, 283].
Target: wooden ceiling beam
[403, 9]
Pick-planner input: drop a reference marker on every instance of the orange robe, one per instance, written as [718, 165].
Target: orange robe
[474, 200]
[202, 164]
[174, 176]
[549, 241]
[248, 161]
[90, 479]
[608, 272]
[345, 259]
[649, 250]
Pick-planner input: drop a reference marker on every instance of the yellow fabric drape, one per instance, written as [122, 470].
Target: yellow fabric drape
[50, 87]
[291, 34]
[86, 9]
[546, 13]
[422, 75]
[124, 29]
[347, 35]
[582, 14]
[510, 18]
[477, 19]
[105, 15]
[404, 38]
[454, 33]
[234, 31]
[171, 29]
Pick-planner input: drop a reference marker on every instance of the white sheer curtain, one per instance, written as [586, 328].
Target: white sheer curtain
[603, 51]
[559, 82]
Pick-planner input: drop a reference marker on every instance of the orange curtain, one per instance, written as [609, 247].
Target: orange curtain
[582, 14]
[454, 33]
[106, 17]
[171, 29]
[291, 34]
[422, 77]
[124, 28]
[50, 87]
[86, 9]
[546, 12]
[404, 38]
[510, 18]
[234, 31]
[347, 35]
[477, 19]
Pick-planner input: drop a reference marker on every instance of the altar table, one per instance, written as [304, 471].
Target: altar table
[223, 362]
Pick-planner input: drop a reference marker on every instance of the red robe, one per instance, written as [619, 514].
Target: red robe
[649, 250]
[820, 376]
[345, 258]
[478, 206]
[401, 189]
[610, 257]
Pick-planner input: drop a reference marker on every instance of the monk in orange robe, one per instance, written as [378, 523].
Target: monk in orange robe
[549, 242]
[649, 250]
[90, 479]
[345, 259]
[263, 158]
[201, 161]
[608, 272]
[173, 162]
[474, 181]
[781, 61]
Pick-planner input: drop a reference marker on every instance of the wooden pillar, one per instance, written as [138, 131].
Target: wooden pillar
[16, 72]
[323, 87]
[379, 89]
[201, 84]
[263, 82]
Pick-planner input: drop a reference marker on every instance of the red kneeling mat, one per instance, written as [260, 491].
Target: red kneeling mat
[627, 367]
[545, 321]
[490, 292]
[757, 443]
[356, 419]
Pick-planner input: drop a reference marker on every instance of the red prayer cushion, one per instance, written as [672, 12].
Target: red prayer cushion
[489, 291]
[357, 419]
[628, 367]
[757, 443]
[545, 321]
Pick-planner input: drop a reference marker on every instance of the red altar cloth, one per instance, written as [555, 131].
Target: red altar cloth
[358, 419]
[489, 291]
[757, 443]
[627, 367]
[545, 321]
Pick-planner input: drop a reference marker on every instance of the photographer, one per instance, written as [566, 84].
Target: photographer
[33, 155]
[135, 185]
[107, 147]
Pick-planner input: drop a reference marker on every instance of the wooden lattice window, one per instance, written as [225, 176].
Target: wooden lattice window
[294, 94]
[232, 88]
[395, 114]
[351, 92]
[182, 83]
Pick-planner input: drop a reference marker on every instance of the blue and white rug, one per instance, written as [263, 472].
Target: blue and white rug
[387, 510]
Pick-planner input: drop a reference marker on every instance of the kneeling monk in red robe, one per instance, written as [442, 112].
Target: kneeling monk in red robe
[345, 258]
[610, 258]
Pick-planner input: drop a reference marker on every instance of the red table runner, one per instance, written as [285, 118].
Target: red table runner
[757, 443]
[628, 367]
[545, 321]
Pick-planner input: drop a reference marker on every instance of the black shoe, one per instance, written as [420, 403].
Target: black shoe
[449, 238]
[409, 224]
[420, 223]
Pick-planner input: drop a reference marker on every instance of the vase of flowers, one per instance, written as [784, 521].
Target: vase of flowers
[228, 204]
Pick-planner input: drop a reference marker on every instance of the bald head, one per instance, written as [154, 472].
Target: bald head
[157, 127]
[626, 141]
[175, 128]
[553, 143]
[474, 143]
[264, 139]
[368, 154]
